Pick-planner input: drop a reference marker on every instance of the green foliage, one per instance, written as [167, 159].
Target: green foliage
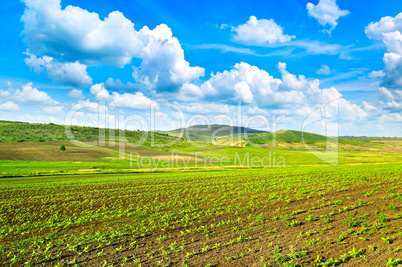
[37, 132]
[62, 148]
[149, 219]
[286, 136]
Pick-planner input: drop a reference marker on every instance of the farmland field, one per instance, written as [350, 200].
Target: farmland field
[201, 134]
[345, 215]
[201, 203]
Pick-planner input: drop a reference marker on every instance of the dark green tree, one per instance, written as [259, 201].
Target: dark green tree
[62, 148]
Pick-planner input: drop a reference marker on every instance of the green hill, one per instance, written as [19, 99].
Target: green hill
[38, 132]
[204, 132]
[286, 136]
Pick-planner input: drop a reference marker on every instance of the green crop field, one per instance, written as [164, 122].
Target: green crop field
[292, 217]
[203, 203]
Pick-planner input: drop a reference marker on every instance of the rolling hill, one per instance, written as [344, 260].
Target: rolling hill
[11, 131]
[287, 136]
[204, 132]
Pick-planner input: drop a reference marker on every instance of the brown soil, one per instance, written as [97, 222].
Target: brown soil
[237, 238]
[50, 151]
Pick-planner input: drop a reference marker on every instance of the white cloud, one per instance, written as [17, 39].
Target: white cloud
[71, 73]
[4, 93]
[388, 29]
[376, 73]
[240, 83]
[9, 106]
[287, 97]
[243, 92]
[100, 92]
[222, 26]
[325, 70]
[394, 106]
[243, 82]
[163, 66]
[290, 81]
[350, 112]
[75, 93]
[393, 70]
[335, 105]
[260, 32]
[391, 100]
[375, 30]
[326, 12]
[53, 110]
[190, 92]
[135, 101]
[28, 94]
[385, 94]
[257, 88]
[392, 118]
[117, 84]
[73, 34]
[368, 107]
[207, 108]
[76, 36]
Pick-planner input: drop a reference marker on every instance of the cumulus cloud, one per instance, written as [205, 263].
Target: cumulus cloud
[394, 106]
[75, 93]
[376, 73]
[163, 66]
[293, 82]
[71, 73]
[334, 104]
[9, 106]
[208, 108]
[393, 70]
[326, 12]
[388, 29]
[4, 93]
[117, 84]
[28, 94]
[391, 100]
[368, 107]
[325, 70]
[53, 110]
[100, 92]
[375, 30]
[77, 37]
[135, 101]
[243, 92]
[242, 82]
[73, 34]
[260, 32]
[385, 94]
[293, 95]
[351, 112]
[258, 80]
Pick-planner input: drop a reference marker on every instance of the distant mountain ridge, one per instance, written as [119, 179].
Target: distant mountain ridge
[201, 132]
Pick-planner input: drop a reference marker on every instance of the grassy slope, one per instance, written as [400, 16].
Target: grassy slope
[203, 132]
[286, 136]
[36, 132]
[34, 156]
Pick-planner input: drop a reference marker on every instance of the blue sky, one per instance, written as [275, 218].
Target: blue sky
[207, 60]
